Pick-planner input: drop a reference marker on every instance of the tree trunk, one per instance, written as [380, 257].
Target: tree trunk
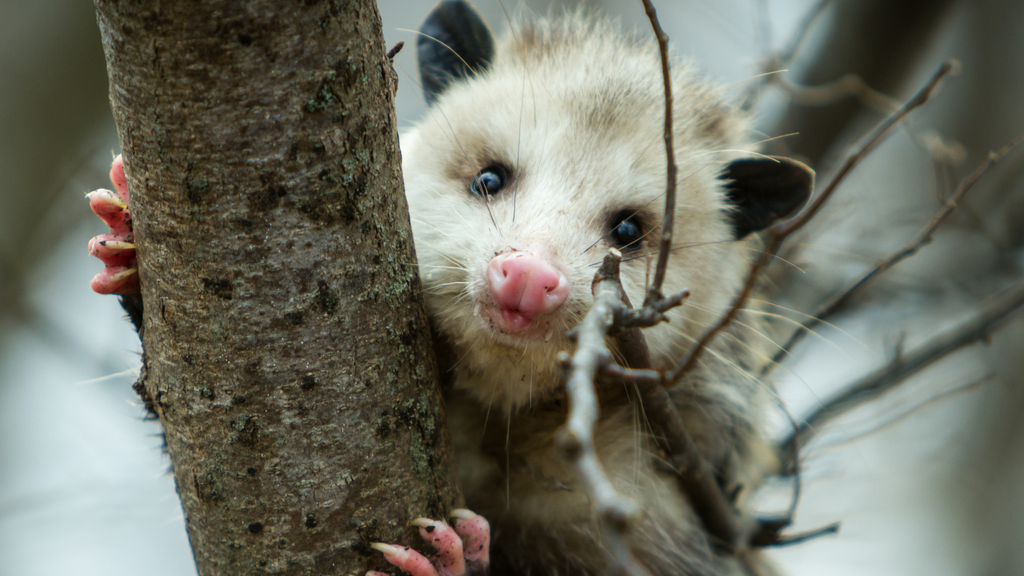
[287, 348]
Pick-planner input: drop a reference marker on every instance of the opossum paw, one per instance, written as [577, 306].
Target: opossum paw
[460, 550]
[117, 249]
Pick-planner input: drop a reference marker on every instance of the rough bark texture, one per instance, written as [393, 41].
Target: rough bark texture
[287, 350]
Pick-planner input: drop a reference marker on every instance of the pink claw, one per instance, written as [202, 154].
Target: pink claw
[117, 249]
[406, 559]
[112, 250]
[112, 210]
[452, 551]
[117, 177]
[476, 536]
[449, 561]
[116, 280]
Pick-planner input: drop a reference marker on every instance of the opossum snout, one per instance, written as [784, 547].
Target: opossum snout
[527, 283]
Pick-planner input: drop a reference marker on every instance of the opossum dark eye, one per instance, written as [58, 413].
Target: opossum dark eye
[626, 230]
[489, 181]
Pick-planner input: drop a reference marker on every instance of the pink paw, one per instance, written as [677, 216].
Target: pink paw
[460, 550]
[117, 249]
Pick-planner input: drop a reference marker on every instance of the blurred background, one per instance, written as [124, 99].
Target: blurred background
[928, 479]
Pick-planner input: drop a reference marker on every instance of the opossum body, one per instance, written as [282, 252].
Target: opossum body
[538, 153]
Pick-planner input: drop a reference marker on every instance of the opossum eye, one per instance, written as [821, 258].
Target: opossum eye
[489, 181]
[626, 230]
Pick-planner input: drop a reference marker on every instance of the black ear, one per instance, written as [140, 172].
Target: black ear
[765, 189]
[454, 43]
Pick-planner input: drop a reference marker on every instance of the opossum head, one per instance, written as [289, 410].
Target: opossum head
[540, 152]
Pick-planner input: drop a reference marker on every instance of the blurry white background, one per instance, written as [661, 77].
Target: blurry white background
[923, 481]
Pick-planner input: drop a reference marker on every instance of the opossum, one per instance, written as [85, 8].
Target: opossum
[538, 153]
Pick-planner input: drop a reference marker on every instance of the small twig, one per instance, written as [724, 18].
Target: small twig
[633, 375]
[665, 248]
[840, 300]
[646, 247]
[781, 230]
[852, 85]
[951, 66]
[782, 59]
[769, 532]
[695, 475]
[885, 378]
[592, 359]
[888, 420]
[576, 437]
[791, 539]
[847, 85]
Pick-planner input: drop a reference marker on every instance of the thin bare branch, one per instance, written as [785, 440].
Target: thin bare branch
[633, 375]
[769, 530]
[799, 538]
[593, 360]
[696, 477]
[781, 59]
[665, 248]
[576, 437]
[951, 66]
[781, 230]
[851, 85]
[841, 299]
[846, 86]
[884, 379]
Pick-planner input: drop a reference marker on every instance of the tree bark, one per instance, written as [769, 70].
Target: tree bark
[287, 348]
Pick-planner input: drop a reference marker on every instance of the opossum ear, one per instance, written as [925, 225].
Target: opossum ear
[763, 190]
[454, 43]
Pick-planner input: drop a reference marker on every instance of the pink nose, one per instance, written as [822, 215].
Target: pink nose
[526, 283]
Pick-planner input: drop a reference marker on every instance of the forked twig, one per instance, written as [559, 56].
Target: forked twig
[576, 437]
[696, 477]
[593, 361]
[611, 311]
[781, 230]
[906, 365]
[841, 299]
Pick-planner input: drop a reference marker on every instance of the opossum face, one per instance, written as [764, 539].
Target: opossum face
[537, 158]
